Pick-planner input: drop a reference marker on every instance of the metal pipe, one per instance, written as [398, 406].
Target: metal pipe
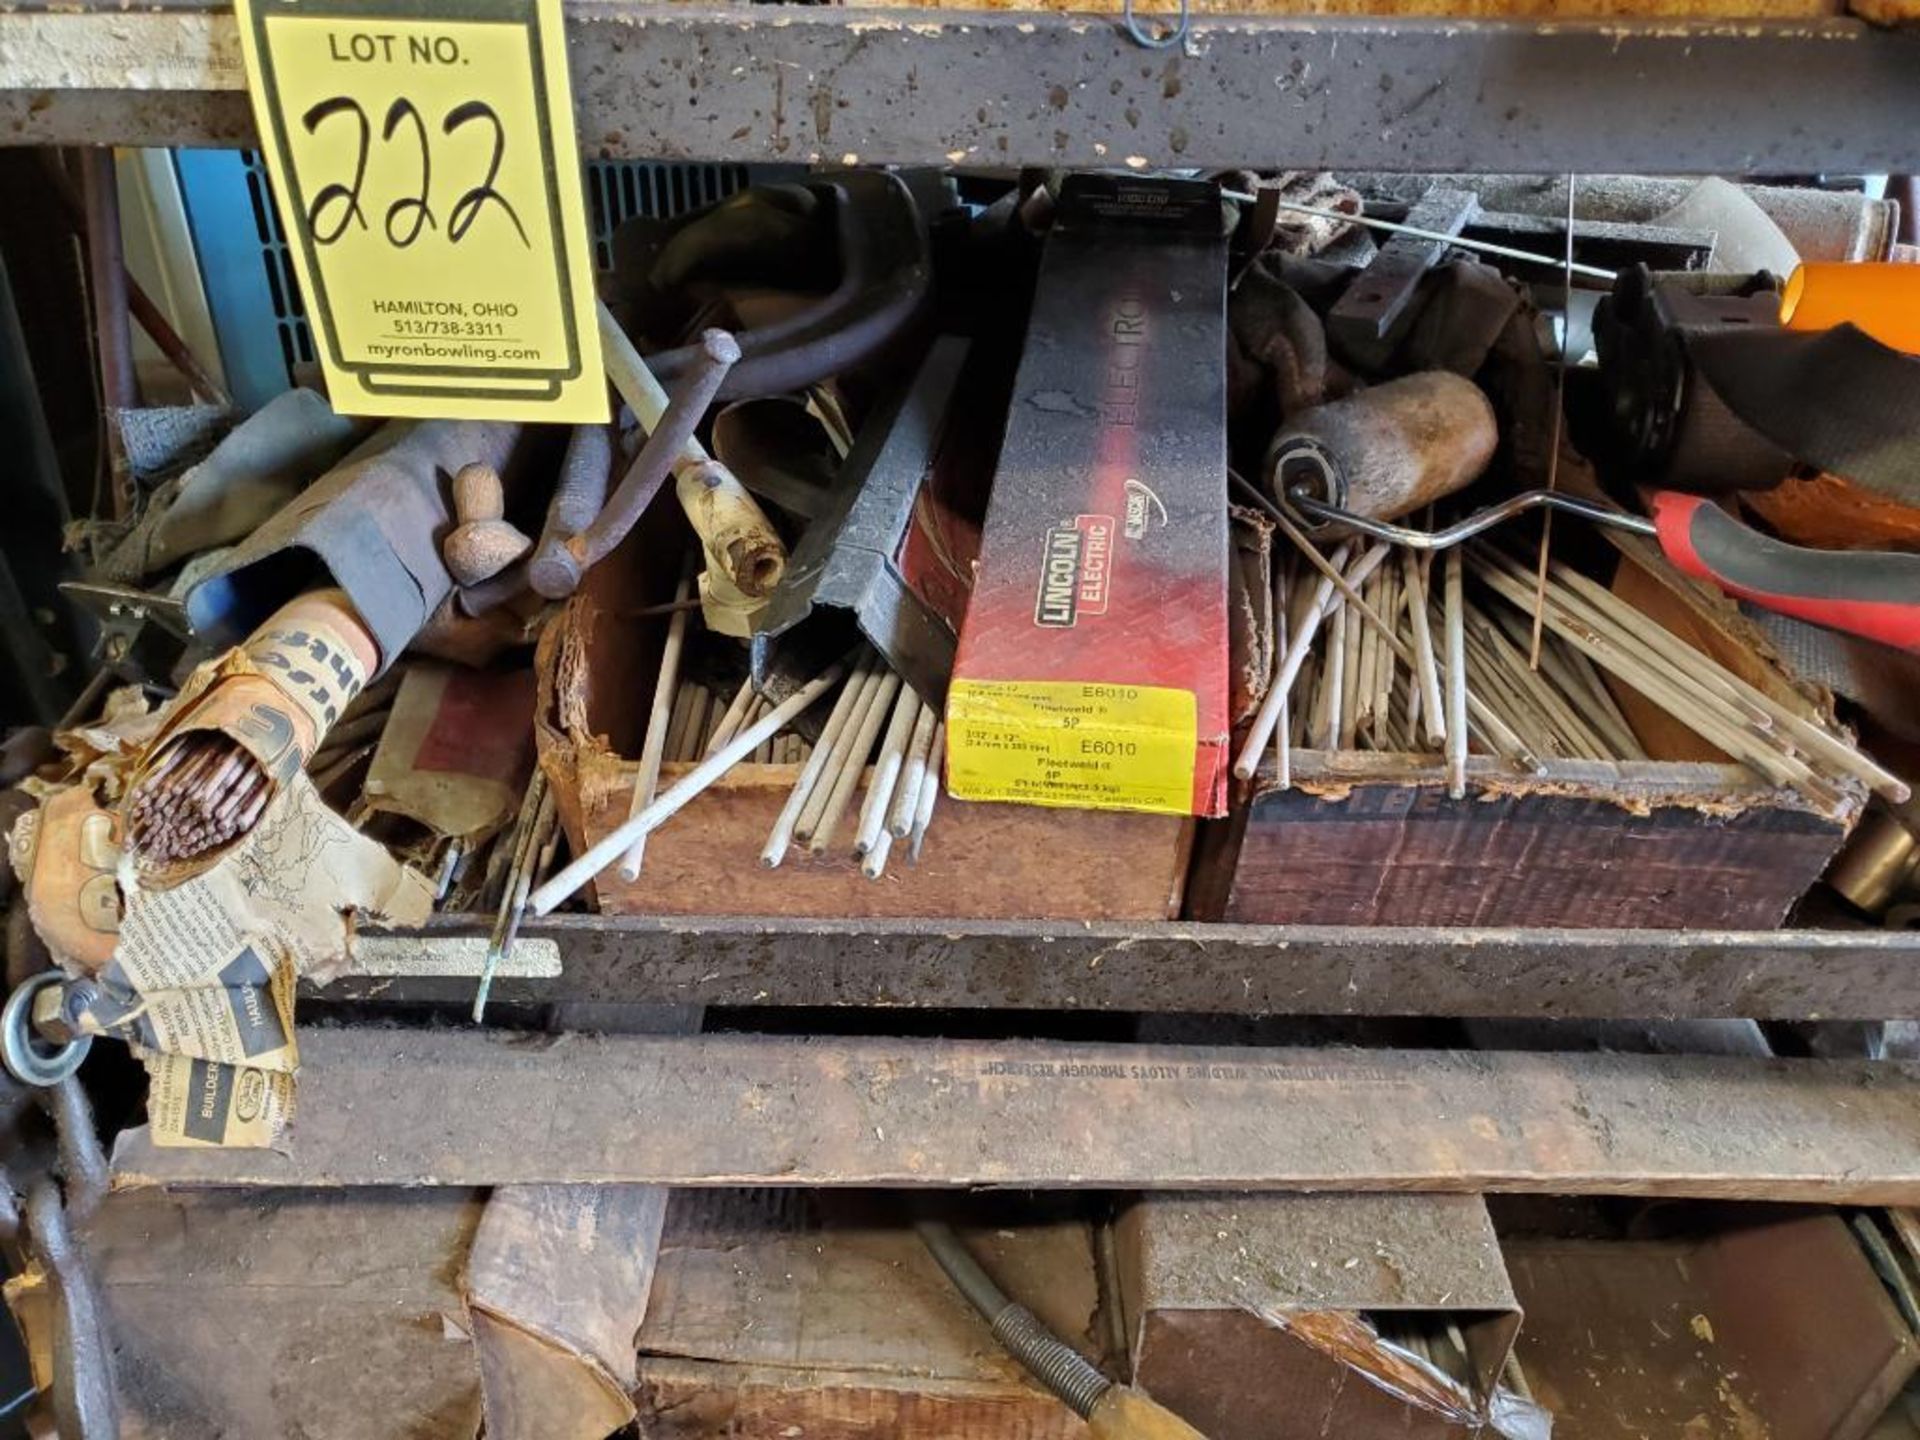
[140, 305]
[1049, 1359]
[579, 495]
[107, 280]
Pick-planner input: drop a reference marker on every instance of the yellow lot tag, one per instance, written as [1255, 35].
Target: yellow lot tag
[427, 176]
[1058, 742]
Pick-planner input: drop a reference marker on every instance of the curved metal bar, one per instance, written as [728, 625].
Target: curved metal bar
[1302, 502]
[85, 1406]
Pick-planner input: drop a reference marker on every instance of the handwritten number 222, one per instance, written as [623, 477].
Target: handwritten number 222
[337, 206]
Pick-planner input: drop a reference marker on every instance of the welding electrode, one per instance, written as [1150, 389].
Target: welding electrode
[1385, 451]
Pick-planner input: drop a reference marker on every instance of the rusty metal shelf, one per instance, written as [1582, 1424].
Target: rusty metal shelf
[480, 1108]
[780, 83]
[1172, 968]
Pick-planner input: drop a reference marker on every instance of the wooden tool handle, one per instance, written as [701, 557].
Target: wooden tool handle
[1127, 1414]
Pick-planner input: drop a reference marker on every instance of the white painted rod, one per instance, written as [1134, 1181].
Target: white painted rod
[670, 803]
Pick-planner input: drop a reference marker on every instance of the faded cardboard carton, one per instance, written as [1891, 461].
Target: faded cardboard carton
[1092, 667]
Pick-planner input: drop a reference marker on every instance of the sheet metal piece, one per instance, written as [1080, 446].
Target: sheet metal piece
[556, 1287]
[1367, 321]
[847, 565]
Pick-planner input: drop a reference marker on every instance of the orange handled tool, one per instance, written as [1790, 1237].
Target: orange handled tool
[1881, 299]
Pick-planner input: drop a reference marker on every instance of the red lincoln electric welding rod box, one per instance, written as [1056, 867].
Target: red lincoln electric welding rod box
[1092, 667]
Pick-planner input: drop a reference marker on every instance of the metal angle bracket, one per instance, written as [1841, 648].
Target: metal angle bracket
[1369, 318]
[846, 567]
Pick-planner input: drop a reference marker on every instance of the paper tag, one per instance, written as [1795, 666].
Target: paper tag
[425, 169]
[203, 1102]
[1068, 743]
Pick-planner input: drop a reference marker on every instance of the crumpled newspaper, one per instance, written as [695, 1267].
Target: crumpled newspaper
[199, 976]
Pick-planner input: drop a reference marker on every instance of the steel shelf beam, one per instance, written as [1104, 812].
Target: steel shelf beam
[775, 83]
[1171, 968]
[446, 1107]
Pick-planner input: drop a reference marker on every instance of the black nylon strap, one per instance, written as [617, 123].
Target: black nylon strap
[1838, 399]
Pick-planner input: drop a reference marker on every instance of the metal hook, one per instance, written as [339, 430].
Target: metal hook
[22, 1052]
[1141, 36]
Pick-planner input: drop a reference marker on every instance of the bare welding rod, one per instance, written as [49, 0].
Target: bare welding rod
[1385, 451]
[1462, 242]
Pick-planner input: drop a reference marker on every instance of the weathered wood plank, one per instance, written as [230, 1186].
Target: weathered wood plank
[385, 1107]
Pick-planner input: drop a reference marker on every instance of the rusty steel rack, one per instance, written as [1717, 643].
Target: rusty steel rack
[1177, 968]
[825, 84]
[842, 85]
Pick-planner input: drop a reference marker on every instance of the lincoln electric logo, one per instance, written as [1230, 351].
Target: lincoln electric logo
[1076, 570]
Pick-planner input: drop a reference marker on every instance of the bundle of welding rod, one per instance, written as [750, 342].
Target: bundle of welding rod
[873, 704]
[201, 792]
[1370, 657]
[687, 723]
[703, 720]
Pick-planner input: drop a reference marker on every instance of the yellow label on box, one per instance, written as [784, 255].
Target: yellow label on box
[427, 176]
[1067, 743]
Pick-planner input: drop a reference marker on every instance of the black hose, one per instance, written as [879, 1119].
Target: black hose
[1048, 1358]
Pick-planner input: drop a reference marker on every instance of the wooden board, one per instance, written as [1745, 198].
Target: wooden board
[1364, 839]
[322, 1316]
[707, 1400]
[995, 862]
[382, 1107]
[781, 1312]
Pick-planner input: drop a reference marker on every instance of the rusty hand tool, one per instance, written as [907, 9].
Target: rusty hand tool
[568, 549]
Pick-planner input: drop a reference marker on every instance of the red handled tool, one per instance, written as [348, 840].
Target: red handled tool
[1872, 593]
[1875, 593]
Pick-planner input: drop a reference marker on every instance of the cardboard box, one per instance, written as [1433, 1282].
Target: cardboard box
[1092, 669]
[1294, 1317]
[781, 1313]
[998, 862]
[1706, 1320]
